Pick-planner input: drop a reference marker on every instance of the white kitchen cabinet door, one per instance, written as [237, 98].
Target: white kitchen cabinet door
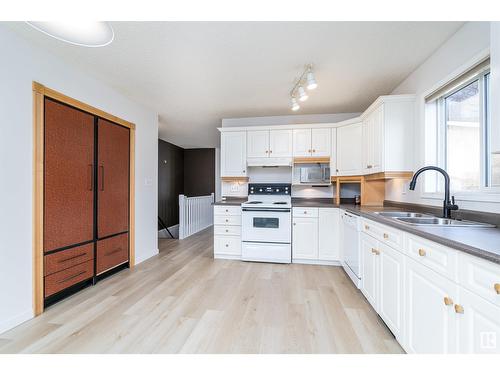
[349, 150]
[333, 153]
[305, 238]
[329, 233]
[479, 324]
[367, 131]
[370, 254]
[431, 323]
[233, 154]
[258, 143]
[377, 139]
[320, 142]
[391, 289]
[281, 143]
[302, 142]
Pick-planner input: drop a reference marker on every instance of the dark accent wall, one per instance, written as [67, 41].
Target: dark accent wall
[199, 171]
[182, 171]
[170, 181]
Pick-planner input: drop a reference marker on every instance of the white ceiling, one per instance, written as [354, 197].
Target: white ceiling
[196, 73]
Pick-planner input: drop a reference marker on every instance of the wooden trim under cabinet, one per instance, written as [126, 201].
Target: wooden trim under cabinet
[313, 159]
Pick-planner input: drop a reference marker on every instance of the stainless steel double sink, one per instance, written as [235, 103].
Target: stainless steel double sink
[419, 219]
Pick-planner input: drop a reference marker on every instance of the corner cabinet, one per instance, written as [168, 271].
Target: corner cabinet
[234, 154]
[349, 150]
[388, 135]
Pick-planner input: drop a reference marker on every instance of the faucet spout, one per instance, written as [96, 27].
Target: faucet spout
[448, 205]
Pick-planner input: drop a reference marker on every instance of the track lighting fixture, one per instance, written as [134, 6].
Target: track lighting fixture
[306, 79]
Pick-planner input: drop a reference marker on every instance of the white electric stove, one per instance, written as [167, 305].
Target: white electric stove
[266, 228]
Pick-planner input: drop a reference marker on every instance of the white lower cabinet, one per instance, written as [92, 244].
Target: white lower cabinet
[370, 269]
[227, 232]
[391, 289]
[431, 321]
[305, 238]
[479, 324]
[315, 235]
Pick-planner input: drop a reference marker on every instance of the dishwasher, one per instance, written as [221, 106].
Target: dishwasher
[350, 245]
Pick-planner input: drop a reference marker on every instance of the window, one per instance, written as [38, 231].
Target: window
[457, 134]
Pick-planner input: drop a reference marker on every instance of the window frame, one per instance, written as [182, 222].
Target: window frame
[485, 192]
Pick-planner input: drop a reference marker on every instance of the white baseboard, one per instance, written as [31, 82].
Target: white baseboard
[224, 256]
[317, 262]
[16, 320]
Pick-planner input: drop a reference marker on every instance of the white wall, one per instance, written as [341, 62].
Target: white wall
[463, 48]
[22, 63]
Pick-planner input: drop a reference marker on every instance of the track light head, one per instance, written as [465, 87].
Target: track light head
[311, 82]
[294, 104]
[302, 94]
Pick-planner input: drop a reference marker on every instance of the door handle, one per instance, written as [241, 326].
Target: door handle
[91, 179]
[101, 179]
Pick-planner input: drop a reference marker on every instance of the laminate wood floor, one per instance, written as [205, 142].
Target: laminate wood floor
[184, 301]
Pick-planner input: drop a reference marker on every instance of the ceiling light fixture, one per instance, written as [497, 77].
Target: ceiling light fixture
[80, 33]
[294, 104]
[306, 79]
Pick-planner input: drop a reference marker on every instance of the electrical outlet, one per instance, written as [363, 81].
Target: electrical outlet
[235, 188]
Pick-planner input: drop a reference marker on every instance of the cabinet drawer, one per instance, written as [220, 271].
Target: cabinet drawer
[227, 220]
[439, 258]
[386, 235]
[480, 276]
[227, 245]
[67, 258]
[305, 212]
[64, 279]
[227, 210]
[112, 252]
[231, 230]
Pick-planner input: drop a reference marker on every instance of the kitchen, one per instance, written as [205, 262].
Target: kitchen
[253, 188]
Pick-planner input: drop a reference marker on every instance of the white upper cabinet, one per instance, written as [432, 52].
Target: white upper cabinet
[349, 150]
[388, 136]
[320, 142]
[373, 141]
[280, 143]
[333, 152]
[269, 143]
[311, 142]
[301, 142]
[258, 144]
[233, 154]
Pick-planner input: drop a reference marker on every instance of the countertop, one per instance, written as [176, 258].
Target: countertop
[481, 242]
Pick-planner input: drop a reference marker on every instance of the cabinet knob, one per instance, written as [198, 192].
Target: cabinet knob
[375, 251]
[244, 171]
[367, 227]
[294, 223]
[270, 151]
[227, 220]
[421, 252]
[459, 309]
[227, 245]
[497, 288]
[305, 212]
[227, 210]
[369, 166]
[314, 150]
[227, 230]
[448, 301]
[267, 151]
[386, 236]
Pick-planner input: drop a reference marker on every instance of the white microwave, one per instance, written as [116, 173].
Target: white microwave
[315, 174]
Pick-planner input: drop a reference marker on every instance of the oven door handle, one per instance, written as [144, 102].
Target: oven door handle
[267, 210]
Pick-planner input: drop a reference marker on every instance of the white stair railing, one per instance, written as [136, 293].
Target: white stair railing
[195, 214]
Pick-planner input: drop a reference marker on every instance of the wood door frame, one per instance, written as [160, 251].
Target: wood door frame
[40, 92]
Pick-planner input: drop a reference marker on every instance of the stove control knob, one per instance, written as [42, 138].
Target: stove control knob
[277, 190]
[260, 189]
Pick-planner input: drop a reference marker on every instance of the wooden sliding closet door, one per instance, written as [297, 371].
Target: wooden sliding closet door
[113, 178]
[68, 176]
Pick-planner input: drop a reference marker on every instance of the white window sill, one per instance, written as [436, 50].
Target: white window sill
[477, 196]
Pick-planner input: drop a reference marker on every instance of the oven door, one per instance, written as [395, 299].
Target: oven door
[266, 225]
